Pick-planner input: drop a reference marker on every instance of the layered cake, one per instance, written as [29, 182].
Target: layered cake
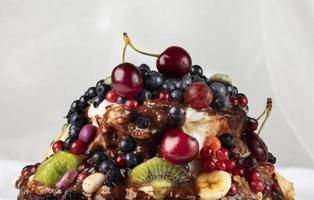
[169, 133]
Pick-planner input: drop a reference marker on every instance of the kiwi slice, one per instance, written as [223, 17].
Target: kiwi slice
[159, 174]
[52, 170]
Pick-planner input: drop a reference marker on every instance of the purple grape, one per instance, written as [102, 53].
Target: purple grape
[87, 133]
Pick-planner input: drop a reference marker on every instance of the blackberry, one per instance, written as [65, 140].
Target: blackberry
[113, 176]
[48, 196]
[73, 195]
[227, 140]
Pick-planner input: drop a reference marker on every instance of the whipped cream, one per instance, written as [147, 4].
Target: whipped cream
[95, 113]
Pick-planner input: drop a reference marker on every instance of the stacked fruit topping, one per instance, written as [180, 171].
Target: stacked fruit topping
[126, 138]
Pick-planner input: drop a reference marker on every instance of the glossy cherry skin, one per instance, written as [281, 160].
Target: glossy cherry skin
[178, 147]
[78, 147]
[257, 146]
[198, 95]
[126, 80]
[174, 62]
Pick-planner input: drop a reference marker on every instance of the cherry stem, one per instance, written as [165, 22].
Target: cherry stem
[129, 43]
[267, 112]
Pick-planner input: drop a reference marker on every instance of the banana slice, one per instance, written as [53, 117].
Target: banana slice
[286, 186]
[213, 185]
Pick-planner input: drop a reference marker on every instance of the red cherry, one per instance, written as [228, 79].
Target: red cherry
[222, 154]
[120, 161]
[275, 188]
[230, 165]
[82, 176]
[220, 165]
[174, 62]
[256, 146]
[238, 172]
[251, 125]
[233, 100]
[243, 101]
[198, 95]
[131, 104]
[257, 186]
[126, 80]
[233, 190]
[78, 147]
[112, 96]
[164, 95]
[57, 146]
[178, 147]
[254, 175]
[209, 165]
[206, 153]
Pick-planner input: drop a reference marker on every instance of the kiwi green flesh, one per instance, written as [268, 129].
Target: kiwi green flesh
[158, 173]
[52, 170]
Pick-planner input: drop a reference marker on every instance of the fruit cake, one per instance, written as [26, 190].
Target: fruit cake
[170, 133]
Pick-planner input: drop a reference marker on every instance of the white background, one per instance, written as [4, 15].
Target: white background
[52, 51]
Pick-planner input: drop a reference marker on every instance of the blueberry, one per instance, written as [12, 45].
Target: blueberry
[91, 92]
[98, 100]
[83, 101]
[187, 80]
[154, 81]
[74, 131]
[144, 95]
[204, 78]
[229, 90]
[121, 100]
[131, 160]
[220, 103]
[169, 86]
[106, 165]
[197, 78]
[75, 106]
[180, 85]
[177, 95]
[142, 122]
[78, 119]
[67, 143]
[128, 144]
[113, 176]
[177, 113]
[271, 158]
[98, 157]
[102, 89]
[74, 195]
[218, 89]
[100, 82]
[235, 91]
[196, 70]
[227, 141]
[144, 66]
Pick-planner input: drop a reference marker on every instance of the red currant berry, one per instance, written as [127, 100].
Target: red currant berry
[126, 80]
[57, 146]
[131, 104]
[174, 62]
[254, 175]
[82, 176]
[233, 190]
[222, 154]
[120, 161]
[198, 95]
[112, 96]
[230, 164]
[234, 100]
[220, 165]
[243, 101]
[206, 153]
[209, 165]
[257, 186]
[275, 188]
[251, 125]
[164, 95]
[78, 147]
[238, 172]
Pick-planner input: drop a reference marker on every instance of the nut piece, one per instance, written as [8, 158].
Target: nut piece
[93, 182]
